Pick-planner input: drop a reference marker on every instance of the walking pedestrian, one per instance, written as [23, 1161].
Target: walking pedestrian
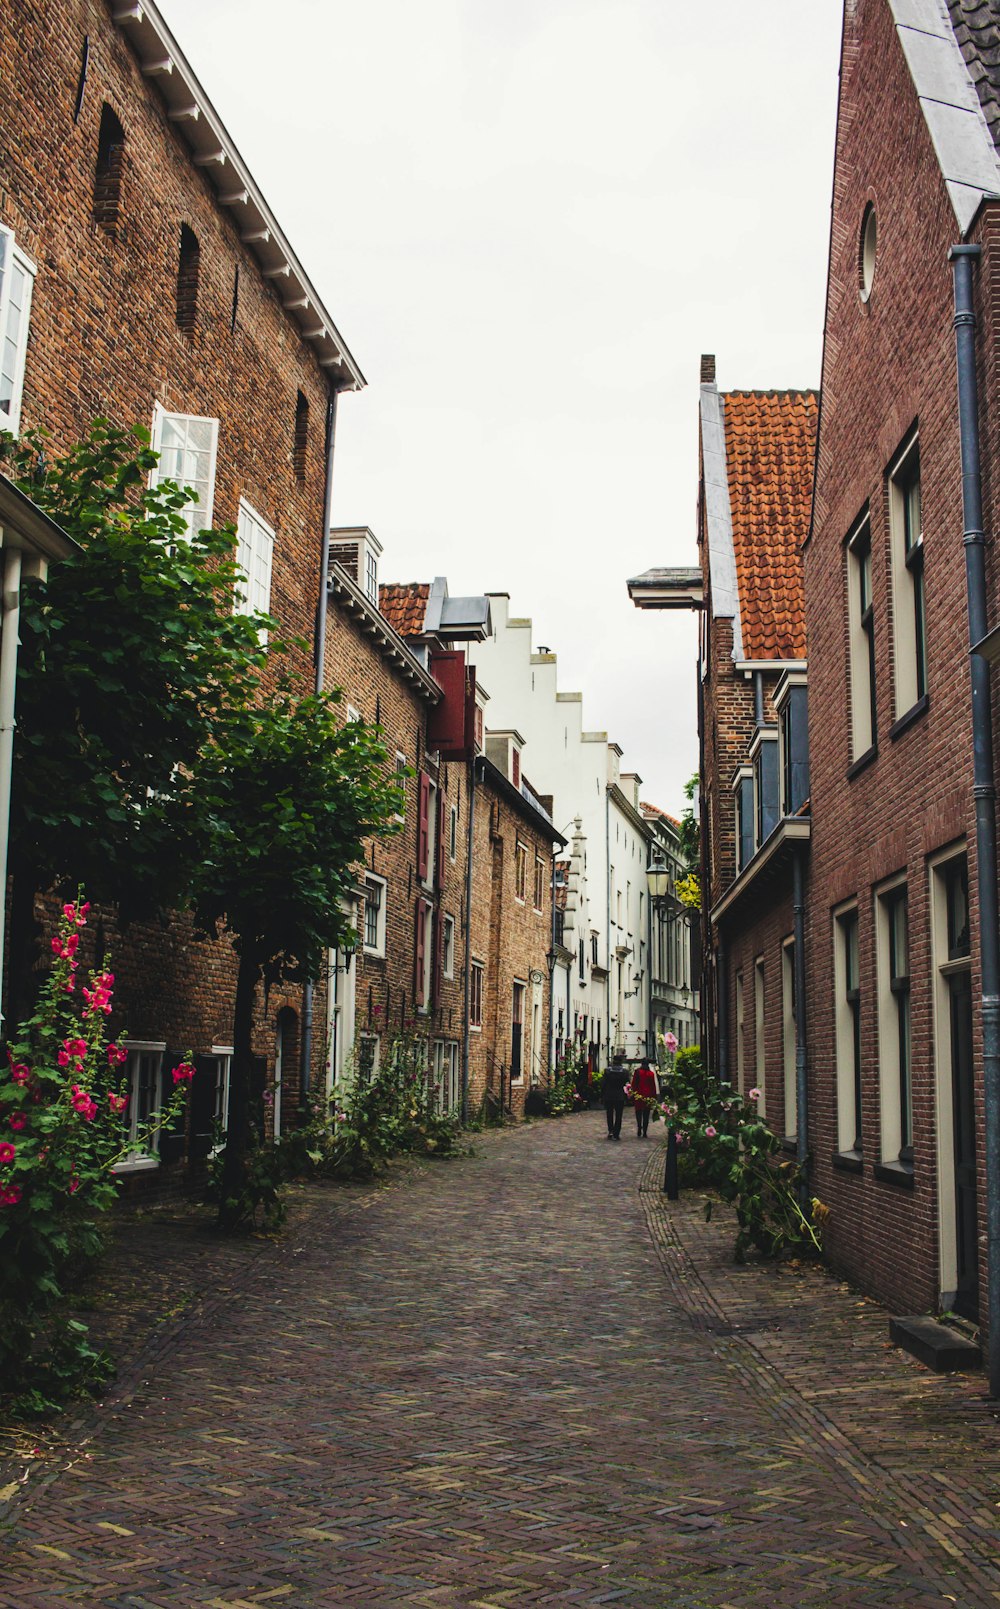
[615, 1079]
[644, 1089]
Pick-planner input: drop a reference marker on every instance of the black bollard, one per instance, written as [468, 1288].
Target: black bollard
[670, 1184]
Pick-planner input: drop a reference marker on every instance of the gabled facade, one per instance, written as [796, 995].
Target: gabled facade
[496, 840]
[607, 1008]
[905, 1132]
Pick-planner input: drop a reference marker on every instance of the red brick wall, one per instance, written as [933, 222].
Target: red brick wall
[104, 341]
[888, 362]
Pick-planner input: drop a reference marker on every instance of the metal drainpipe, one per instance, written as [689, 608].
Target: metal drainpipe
[549, 1060]
[11, 607]
[801, 1091]
[758, 697]
[983, 788]
[305, 1059]
[468, 943]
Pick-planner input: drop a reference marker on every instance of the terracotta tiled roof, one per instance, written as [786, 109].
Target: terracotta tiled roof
[977, 29]
[770, 448]
[654, 810]
[404, 606]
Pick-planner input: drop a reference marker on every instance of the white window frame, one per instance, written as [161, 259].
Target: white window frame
[430, 875]
[224, 1056]
[863, 699]
[788, 1036]
[157, 475]
[848, 1117]
[427, 918]
[907, 582]
[448, 947]
[14, 257]
[353, 714]
[890, 1103]
[520, 872]
[135, 1160]
[374, 1040]
[942, 968]
[539, 904]
[478, 967]
[255, 540]
[378, 948]
[401, 781]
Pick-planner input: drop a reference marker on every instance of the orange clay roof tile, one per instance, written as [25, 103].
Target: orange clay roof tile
[404, 606]
[770, 449]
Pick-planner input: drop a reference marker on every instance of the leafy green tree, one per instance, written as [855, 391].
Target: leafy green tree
[690, 833]
[286, 797]
[130, 657]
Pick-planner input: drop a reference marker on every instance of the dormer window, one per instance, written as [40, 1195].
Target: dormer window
[791, 702]
[767, 805]
[357, 550]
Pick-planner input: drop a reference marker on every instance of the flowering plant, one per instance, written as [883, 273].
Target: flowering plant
[727, 1145]
[64, 1124]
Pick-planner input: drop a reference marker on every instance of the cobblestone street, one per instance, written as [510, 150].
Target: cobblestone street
[518, 1378]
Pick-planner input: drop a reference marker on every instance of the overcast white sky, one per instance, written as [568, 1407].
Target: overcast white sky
[529, 218]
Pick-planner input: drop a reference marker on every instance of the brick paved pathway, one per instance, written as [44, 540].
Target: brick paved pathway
[520, 1379]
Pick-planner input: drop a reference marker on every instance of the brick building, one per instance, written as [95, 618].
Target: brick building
[895, 944]
[496, 841]
[143, 278]
[756, 451]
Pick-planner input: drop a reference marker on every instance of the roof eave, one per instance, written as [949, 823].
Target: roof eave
[213, 151]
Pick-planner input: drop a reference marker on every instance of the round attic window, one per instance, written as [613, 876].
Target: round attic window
[866, 252]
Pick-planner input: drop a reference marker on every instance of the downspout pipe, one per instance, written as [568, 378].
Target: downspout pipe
[550, 1058]
[466, 1036]
[963, 259]
[758, 698]
[324, 577]
[8, 685]
[801, 1061]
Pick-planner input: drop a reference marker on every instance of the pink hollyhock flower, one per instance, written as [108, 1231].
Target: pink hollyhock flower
[63, 1057]
[69, 911]
[670, 1040]
[117, 1103]
[754, 1095]
[10, 1195]
[18, 1120]
[20, 1072]
[183, 1073]
[57, 947]
[74, 1184]
[84, 1104]
[7, 1153]
[710, 1131]
[116, 1055]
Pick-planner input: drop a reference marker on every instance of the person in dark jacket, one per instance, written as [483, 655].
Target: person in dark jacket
[615, 1079]
[644, 1090]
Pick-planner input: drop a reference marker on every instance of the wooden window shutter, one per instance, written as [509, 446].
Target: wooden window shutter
[446, 722]
[418, 955]
[423, 824]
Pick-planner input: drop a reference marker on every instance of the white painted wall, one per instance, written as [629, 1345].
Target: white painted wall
[577, 768]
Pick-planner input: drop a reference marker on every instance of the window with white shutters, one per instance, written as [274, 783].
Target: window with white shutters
[254, 549]
[16, 280]
[187, 444]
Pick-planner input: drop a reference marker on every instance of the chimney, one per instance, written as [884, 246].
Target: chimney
[708, 368]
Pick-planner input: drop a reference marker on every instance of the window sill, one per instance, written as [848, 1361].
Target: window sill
[790, 1145]
[138, 1164]
[906, 721]
[848, 1161]
[893, 1173]
[862, 762]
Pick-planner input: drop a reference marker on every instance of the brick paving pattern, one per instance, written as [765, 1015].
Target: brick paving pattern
[518, 1378]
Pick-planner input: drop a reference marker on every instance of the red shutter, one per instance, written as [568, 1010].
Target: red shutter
[442, 847]
[418, 976]
[423, 824]
[446, 723]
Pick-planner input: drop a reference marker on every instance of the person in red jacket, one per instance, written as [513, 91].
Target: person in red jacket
[645, 1092]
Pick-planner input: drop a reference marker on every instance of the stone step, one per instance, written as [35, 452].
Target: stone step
[940, 1347]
